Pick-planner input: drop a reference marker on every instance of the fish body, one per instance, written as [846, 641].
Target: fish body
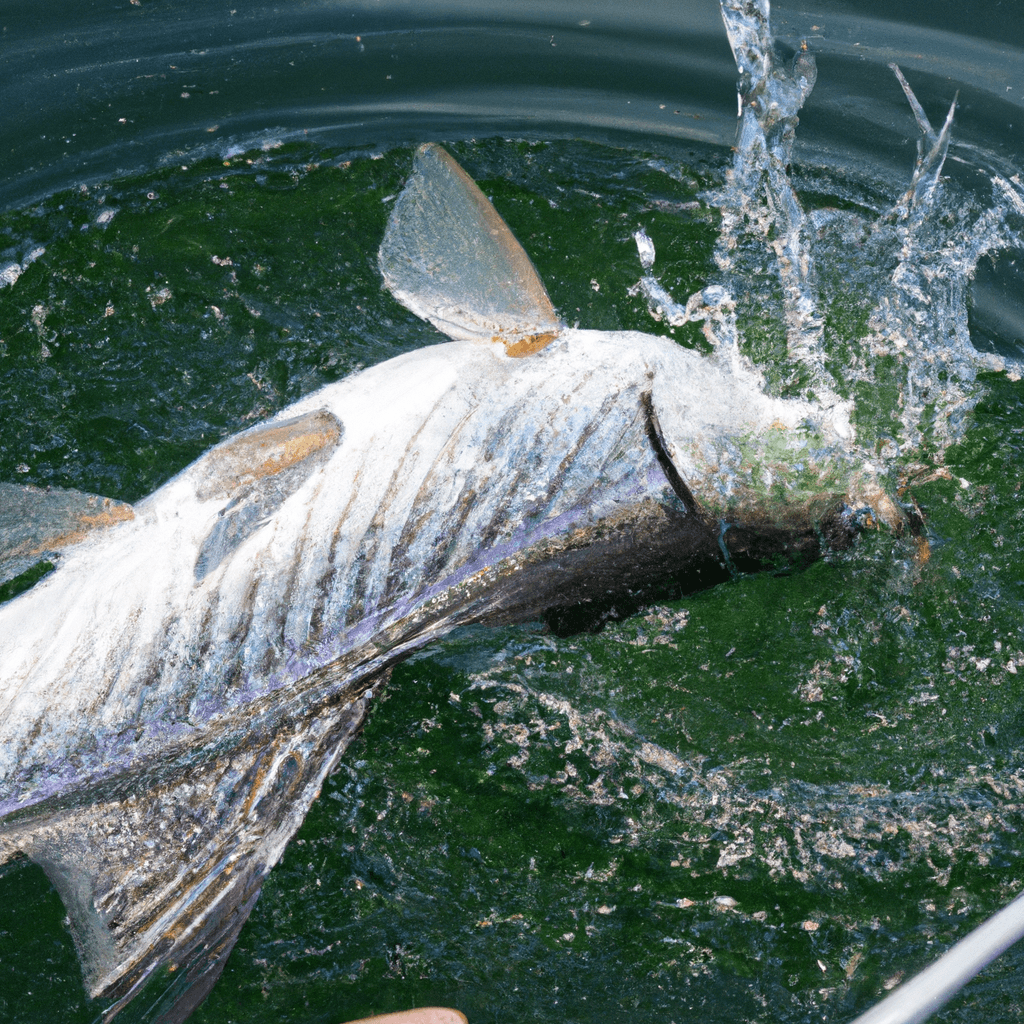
[174, 693]
[423, 488]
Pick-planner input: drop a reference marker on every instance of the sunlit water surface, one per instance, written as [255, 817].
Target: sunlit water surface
[765, 801]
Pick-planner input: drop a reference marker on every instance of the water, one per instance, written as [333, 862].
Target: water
[763, 801]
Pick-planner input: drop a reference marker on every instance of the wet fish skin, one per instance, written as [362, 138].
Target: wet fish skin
[160, 651]
[174, 693]
[316, 573]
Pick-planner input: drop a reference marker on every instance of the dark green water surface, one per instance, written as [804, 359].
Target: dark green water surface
[767, 801]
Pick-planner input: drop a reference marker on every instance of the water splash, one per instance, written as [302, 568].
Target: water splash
[907, 377]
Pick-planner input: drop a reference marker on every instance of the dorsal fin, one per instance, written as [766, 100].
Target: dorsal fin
[36, 524]
[449, 257]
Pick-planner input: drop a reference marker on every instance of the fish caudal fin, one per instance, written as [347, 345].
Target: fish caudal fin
[36, 524]
[164, 879]
[449, 257]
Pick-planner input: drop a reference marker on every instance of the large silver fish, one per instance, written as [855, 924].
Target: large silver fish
[173, 695]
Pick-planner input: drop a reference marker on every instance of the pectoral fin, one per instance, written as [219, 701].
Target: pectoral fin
[37, 524]
[166, 877]
[449, 257]
[237, 465]
[257, 471]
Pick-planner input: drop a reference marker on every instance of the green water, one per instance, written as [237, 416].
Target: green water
[531, 826]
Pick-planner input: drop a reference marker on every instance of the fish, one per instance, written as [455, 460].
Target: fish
[175, 691]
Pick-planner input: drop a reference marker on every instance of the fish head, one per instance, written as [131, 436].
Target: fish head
[764, 466]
